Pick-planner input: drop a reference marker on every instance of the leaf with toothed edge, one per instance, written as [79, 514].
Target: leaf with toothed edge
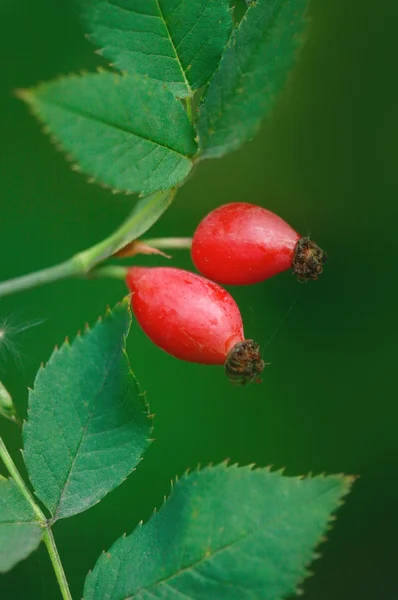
[225, 532]
[20, 532]
[253, 69]
[88, 425]
[179, 42]
[126, 132]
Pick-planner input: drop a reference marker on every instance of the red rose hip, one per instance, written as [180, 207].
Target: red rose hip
[242, 243]
[193, 319]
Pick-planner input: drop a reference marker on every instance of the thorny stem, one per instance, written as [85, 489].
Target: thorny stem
[83, 264]
[48, 537]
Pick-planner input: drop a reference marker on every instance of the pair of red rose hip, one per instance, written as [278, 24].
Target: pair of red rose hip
[195, 319]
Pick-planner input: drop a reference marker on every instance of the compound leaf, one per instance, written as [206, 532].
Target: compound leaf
[225, 532]
[252, 71]
[179, 42]
[88, 424]
[126, 132]
[20, 532]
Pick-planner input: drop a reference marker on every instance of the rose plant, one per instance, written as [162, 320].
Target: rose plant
[187, 82]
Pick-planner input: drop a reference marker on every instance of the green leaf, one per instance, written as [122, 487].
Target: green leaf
[178, 42]
[252, 71]
[88, 425]
[127, 132]
[7, 408]
[225, 532]
[20, 533]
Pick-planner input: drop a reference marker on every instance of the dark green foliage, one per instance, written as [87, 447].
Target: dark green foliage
[127, 132]
[254, 68]
[225, 532]
[88, 424]
[20, 533]
[177, 42]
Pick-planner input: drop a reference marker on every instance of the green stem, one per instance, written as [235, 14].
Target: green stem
[174, 243]
[48, 537]
[122, 236]
[113, 271]
[62, 271]
[19, 482]
[82, 263]
[49, 541]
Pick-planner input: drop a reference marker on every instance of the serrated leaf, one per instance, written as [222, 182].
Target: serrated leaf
[225, 532]
[20, 532]
[7, 408]
[127, 132]
[88, 424]
[179, 42]
[253, 69]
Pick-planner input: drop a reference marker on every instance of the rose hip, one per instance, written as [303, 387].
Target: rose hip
[242, 243]
[193, 319]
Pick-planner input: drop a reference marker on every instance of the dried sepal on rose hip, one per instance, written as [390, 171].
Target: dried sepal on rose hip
[193, 319]
[242, 243]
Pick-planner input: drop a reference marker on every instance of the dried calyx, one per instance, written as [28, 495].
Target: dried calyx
[244, 363]
[308, 259]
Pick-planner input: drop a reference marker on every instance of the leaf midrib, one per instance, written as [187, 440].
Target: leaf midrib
[84, 432]
[205, 558]
[235, 33]
[82, 113]
[21, 523]
[186, 82]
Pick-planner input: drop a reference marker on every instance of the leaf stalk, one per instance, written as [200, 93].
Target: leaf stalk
[52, 550]
[19, 482]
[83, 264]
[48, 537]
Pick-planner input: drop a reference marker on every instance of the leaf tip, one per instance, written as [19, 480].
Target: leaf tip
[23, 94]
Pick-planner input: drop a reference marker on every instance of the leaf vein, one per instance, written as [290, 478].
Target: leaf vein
[193, 566]
[130, 10]
[84, 431]
[96, 119]
[174, 47]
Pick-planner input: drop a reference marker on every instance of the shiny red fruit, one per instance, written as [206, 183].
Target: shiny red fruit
[242, 243]
[193, 319]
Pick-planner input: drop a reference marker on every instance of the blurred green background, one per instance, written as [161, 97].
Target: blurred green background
[326, 162]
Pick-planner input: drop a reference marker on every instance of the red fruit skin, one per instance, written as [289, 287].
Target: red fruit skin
[186, 315]
[240, 243]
